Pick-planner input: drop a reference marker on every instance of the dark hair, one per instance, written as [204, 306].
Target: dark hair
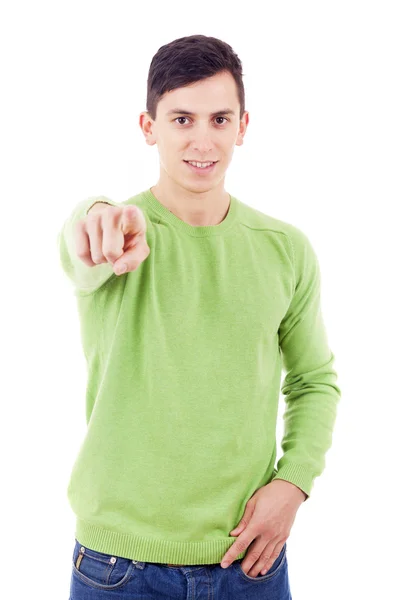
[187, 60]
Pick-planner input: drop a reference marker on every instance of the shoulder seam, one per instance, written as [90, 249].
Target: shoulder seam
[279, 231]
[266, 228]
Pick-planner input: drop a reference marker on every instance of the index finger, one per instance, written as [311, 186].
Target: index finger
[240, 545]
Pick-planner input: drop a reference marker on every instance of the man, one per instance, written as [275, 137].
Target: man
[175, 483]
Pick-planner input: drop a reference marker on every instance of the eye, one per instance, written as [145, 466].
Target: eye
[180, 118]
[215, 117]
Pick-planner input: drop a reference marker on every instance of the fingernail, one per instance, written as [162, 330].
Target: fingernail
[224, 565]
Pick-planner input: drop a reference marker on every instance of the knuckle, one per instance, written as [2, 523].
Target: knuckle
[241, 545]
[92, 217]
[111, 255]
[81, 253]
[271, 559]
[264, 557]
[114, 215]
[97, 259]
[253, 556]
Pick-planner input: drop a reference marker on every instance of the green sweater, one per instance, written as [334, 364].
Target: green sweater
[184, 358]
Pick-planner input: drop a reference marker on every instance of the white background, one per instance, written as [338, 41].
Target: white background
[321, 151]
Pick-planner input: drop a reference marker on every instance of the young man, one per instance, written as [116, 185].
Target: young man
[185, 349]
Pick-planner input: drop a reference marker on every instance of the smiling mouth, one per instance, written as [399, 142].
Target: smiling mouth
[205, 170]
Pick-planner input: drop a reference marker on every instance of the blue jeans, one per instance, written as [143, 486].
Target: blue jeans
[96, 573]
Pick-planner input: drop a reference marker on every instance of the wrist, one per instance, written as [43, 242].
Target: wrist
[295, 488]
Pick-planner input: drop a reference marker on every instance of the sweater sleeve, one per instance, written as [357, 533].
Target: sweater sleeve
[85, 279]
[310, 390]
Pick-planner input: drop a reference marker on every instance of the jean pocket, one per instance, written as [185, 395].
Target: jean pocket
[100, 570]
[273, 570]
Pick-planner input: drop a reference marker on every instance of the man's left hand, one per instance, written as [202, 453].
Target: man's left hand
[267, 520]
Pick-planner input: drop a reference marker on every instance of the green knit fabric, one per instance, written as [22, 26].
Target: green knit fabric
[184, 359]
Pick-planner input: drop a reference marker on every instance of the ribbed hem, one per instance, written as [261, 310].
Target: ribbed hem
[298, 475]
[151, 550]
[196, 231]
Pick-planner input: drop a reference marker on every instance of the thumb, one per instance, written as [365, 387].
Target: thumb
[244, 521]
[133, 256]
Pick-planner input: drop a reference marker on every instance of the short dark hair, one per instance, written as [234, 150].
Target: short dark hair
[187, 60]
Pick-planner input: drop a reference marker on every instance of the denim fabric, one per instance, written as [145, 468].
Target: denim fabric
[100, 576]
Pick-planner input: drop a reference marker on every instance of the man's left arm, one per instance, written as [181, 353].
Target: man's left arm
[309, 388]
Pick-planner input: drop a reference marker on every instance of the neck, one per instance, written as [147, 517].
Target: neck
[195, 208]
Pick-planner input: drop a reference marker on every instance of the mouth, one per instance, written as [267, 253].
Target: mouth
[201, 170]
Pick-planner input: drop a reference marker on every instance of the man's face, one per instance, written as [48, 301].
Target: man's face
[202, 136]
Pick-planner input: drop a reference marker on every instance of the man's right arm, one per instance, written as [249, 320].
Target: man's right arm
[84, 278]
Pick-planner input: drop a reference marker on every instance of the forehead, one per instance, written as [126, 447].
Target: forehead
[207, 96]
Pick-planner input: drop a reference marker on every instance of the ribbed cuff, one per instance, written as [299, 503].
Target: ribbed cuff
[299, 475]
[103, 200]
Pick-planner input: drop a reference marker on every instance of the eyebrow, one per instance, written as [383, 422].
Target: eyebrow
[224, 111]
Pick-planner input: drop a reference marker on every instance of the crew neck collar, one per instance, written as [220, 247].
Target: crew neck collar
[197, 231]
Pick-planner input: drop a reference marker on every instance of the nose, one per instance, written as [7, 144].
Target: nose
[202, 142]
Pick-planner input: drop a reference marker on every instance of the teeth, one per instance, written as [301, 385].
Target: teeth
[201, 165]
